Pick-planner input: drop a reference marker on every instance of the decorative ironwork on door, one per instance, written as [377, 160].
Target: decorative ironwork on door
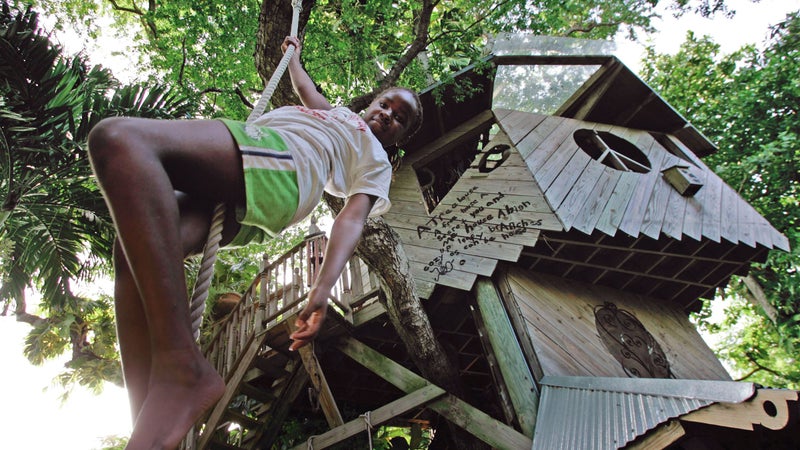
[630, 343]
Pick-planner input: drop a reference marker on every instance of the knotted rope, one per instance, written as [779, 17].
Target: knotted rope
[197, 304]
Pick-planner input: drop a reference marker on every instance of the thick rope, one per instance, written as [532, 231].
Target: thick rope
[203, 282]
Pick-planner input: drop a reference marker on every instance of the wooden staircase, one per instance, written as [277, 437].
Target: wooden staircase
[249, 348]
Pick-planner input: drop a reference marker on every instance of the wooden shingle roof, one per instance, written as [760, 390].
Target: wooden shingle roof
[588, 195]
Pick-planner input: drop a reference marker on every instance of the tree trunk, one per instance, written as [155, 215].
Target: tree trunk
[274, 24]
[380, 248]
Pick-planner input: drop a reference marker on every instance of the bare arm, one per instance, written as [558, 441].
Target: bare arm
[302, 83]
[345, 233]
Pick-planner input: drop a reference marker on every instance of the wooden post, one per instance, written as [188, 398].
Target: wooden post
[317, 377]
[507, 351]
[471, 419]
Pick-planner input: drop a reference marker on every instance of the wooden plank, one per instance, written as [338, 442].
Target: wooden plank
[712, 204]
[536, 157]
[562, 326]
[729, 215]
[489, 226]
[518, 378]
[452, 278]
[581, 191]
[527, 188]
[380, 415]
[660, 437]
[462, 133]
[657, 205]
[614, 210]
[748, 222]
[441, 257]
[231, 388]
[536, 139]
[407, 194]
[317, 377]
[548, 171]
[674, 215]
[565, 341]
[271, 430]
[596, 203]
[747, 414]
[518, 124]
[471, 419]
[505, 251]
[638, 203]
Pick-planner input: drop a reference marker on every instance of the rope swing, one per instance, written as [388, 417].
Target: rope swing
[197, 303]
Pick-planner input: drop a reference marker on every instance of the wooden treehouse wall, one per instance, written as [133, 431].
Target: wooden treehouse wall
[486, 217]
[559, 317]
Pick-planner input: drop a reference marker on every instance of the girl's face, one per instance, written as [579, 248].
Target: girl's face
[390, 115]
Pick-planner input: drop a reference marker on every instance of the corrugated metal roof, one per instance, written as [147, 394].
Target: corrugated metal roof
[578, 413]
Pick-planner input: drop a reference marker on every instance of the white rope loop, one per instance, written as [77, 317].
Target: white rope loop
[203, 282]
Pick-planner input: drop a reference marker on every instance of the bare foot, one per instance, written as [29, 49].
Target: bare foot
[183, 386]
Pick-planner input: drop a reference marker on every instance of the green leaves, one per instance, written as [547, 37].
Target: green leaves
[747, 103]
[55, 230]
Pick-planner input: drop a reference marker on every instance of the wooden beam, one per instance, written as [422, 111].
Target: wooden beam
[769, 408]
[271, 429]
[513, 366]
[376, 417]
[317, 377]
[474, 421]
[231, 389]
[661, 437]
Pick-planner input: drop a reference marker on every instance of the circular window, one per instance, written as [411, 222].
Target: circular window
[612, 150]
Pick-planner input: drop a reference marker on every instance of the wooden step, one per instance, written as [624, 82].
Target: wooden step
[241, 419]
[255, 393]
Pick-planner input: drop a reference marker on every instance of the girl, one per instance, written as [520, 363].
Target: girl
[161, 180]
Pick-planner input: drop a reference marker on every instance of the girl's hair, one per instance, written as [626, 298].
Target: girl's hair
[416, 123]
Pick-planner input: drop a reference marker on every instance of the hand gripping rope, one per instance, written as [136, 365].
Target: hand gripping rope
[198, 302]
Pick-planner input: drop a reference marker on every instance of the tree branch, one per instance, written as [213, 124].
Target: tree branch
[758, 368]
[420, 42]
[590, 26]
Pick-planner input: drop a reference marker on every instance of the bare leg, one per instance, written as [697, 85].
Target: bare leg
[139, 164]
[132, 331]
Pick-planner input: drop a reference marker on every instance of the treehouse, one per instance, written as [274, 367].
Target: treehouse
[561, 225]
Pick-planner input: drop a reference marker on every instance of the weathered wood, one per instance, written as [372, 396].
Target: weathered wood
[746, 415]
[712, 204]
[661, 437]
[231, 389]
[533, 140]
[595, 203]
[505, 251]
[317, 377]
[547, 171]
[518, 124]
[561, 314]
[273, 423]
[467, 130]
[674, 215]
[657, 205]
[476, 422]
[518, 378]
[637, 205]
[729, 225]
[386, 412]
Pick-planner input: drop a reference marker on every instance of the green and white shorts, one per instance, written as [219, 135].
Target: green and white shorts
[270, 182]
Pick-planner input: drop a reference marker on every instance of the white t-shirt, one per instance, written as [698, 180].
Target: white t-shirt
[333, 150]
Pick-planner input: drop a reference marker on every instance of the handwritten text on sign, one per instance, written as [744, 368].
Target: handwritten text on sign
[471, 220]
